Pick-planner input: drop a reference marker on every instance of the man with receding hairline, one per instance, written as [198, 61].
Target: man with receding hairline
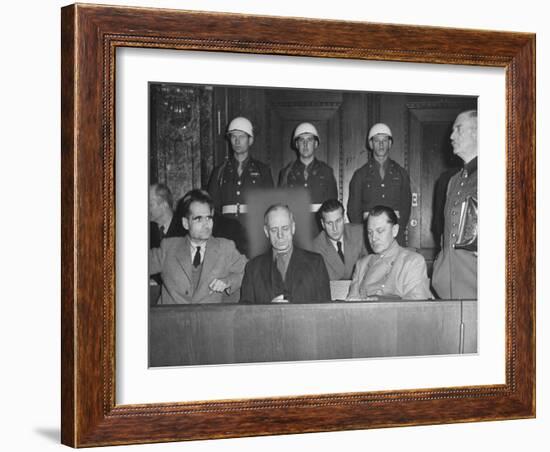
[391, 271]
[163, 223]
[455, 269]
[285, 273]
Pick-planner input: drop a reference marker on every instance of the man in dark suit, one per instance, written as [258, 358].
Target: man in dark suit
[341, 245]
[285, 273]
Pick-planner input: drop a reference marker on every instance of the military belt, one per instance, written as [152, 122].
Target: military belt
[234, 209]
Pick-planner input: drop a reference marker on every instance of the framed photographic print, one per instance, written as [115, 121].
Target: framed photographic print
[258, 207]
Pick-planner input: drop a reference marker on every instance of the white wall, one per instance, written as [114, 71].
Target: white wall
[29, 397]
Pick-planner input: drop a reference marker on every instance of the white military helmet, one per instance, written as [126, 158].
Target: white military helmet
[305, 127]
[242, 124]
[380, 128]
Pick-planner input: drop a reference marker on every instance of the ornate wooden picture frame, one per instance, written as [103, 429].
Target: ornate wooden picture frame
[90, 38]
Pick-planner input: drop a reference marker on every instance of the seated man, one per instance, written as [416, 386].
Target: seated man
[197, 268]
[285, 273]
[392, 271]
[341, 245]
[162, 221]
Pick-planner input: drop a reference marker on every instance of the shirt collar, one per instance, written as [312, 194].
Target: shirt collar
[235, 163]
[301, 165]
[384, 165]
[286, 253]
[335, 242]
[194, 247]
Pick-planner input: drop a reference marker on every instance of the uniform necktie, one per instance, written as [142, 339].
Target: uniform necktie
[340, 252]
[382, 171]
[161, 230]
[197, 258]
[240, 169]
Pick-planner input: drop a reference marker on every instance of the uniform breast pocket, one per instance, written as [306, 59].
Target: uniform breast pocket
[322, 181]
[254, 177]
[394, 188]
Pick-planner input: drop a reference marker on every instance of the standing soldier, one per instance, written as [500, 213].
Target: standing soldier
[230, 182]
[308, 172]
[381, 181]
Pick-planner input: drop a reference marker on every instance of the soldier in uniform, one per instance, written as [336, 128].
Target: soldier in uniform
[381, 181]
[455, 270]
[308, 172]
[231, 180]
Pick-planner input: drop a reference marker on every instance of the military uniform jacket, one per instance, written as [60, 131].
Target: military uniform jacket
[455, 271]
[228, 188]
[320, 182]
[367, 190]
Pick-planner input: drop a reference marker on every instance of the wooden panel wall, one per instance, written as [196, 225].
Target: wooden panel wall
[217, 334]
[187, 143]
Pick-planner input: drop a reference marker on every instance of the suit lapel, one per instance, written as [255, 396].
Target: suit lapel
[349, 250]
[211, 255]
[294, 269]
[184, 259]
[332, 255]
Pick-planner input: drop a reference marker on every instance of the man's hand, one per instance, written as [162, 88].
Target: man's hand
[218, 285]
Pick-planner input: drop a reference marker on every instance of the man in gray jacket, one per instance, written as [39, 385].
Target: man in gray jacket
[340, 244]
[197, 268]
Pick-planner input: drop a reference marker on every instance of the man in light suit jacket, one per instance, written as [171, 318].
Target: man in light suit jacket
[197, 268]
[286, 273]
[341, 245]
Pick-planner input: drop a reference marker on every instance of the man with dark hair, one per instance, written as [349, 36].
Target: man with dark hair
[162, 222]
[307, 171]
[235, 177]
[197, 268]
[381, 181]
[285, 273]
[341, 244]
[392, 271]
[455, 269]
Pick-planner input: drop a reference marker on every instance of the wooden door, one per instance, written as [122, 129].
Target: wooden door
[430, 155]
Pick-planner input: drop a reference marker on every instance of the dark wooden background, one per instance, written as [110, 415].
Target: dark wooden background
[188, 124]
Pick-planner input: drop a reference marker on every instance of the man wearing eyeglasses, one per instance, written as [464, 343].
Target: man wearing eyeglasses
[381, 181]
[307, 171]
[197, 268]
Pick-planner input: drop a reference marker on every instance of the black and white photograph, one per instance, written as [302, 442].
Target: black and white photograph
[294, 224]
